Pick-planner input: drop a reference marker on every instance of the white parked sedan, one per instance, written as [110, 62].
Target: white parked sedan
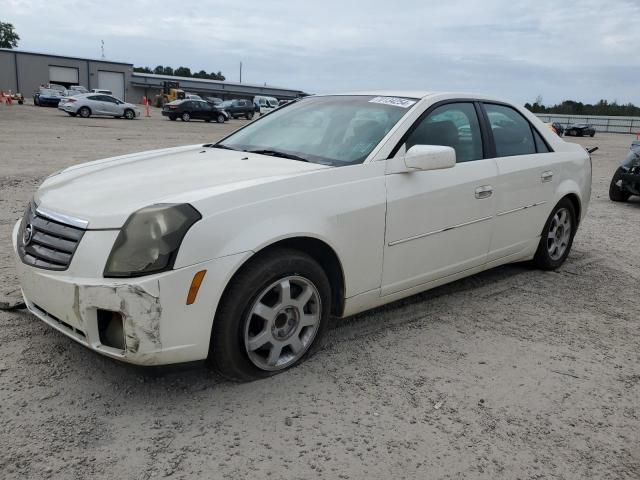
[239, 251]
[89, 104]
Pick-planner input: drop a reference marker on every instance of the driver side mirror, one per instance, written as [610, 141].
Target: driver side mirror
[429, 157]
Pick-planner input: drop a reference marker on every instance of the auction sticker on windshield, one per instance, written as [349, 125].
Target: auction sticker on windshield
[395, 101]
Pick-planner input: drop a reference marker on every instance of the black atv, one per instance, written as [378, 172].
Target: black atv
[626, 180]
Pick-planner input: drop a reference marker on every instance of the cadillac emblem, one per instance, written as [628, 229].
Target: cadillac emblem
[27, 234]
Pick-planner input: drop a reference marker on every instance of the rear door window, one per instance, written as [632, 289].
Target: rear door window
[512, 133]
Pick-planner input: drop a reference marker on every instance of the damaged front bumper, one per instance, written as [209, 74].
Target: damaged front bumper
[143, 321]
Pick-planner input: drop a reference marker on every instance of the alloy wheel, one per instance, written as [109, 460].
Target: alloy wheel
[282, 323]
[559, 234]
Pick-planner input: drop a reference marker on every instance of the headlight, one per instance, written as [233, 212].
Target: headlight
[150, 239]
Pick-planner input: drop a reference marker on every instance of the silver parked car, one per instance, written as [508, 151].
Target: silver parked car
[89, 104]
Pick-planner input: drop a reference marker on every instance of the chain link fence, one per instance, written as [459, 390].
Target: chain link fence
[600, 123]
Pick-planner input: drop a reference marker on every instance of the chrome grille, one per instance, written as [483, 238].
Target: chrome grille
[45, 242]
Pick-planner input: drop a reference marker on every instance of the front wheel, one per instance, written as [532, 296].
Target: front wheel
[172, 118]
[185, 117]
[273, 312]
[249, 115]
[220, 118]
[129, 114]
[616, 194]
[71, 114]
[557, 236]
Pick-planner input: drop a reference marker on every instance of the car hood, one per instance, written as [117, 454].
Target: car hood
[106, 192]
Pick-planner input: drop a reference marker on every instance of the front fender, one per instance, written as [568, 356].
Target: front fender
[343, 207]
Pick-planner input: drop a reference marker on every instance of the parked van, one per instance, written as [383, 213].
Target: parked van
[265, 104]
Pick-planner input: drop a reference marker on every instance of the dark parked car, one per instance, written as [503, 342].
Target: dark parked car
[239, 108]
[558, 128]
[580, 130]
[46, 99]
[187, 110]
[214, 100]
[626, 179]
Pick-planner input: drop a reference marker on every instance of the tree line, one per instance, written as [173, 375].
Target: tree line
[571, 107]
[180, 72]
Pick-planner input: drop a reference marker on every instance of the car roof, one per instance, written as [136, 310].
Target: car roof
[417, 94]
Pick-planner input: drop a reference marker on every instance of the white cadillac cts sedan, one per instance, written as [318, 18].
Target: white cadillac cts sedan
[238, 252]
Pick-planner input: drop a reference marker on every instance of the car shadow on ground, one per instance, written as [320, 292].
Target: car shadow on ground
[195, 376]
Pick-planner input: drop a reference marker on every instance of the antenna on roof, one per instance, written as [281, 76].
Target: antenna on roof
[102, 47]
[240, 72]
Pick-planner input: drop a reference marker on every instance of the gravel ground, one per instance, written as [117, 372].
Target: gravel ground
[514, 373]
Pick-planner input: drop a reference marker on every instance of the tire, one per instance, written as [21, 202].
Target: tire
[84, 112]
[71, 114]
[36, 101]
[220, 118]
[172, 118]
[615, 193]
[185, 117]
[208, 120]
[258, 286]
[129, 114]
[593, 134]
[249, 115]
[557, 236]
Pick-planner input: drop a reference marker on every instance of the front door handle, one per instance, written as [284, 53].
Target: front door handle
[485, 191]
[546, 176]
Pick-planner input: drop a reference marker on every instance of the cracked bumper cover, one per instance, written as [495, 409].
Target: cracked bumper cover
[159, 328]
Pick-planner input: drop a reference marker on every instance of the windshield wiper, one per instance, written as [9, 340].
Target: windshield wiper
[277, 153]
[221, 145]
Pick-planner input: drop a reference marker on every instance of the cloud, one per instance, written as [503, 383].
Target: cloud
[510, 48]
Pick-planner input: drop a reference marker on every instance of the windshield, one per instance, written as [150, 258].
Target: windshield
[332, 130]
[228, 103]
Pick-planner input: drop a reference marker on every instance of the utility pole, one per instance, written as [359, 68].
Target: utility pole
[102, 47]
[240, 72]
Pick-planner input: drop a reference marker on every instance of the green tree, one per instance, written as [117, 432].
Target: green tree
[182, 72]
[142, 70]
[8, 36]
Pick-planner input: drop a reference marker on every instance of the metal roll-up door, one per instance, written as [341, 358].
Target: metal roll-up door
[113, 81]
[63, 75]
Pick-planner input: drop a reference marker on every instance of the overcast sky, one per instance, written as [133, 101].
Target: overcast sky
[584, 50]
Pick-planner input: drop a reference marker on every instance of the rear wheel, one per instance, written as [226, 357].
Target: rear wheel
[272, 314]
[616, 194]
[172, 118]
[185, 117]
[557, 236]
[249, 115]
[593, 134]
[84, 112]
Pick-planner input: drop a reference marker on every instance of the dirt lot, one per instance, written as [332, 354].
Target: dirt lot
[514, 373]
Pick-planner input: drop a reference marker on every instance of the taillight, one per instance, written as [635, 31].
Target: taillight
[173, 107]
[71, 100]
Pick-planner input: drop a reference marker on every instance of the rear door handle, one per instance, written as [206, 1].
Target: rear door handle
[546, 176]
[484, 191]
